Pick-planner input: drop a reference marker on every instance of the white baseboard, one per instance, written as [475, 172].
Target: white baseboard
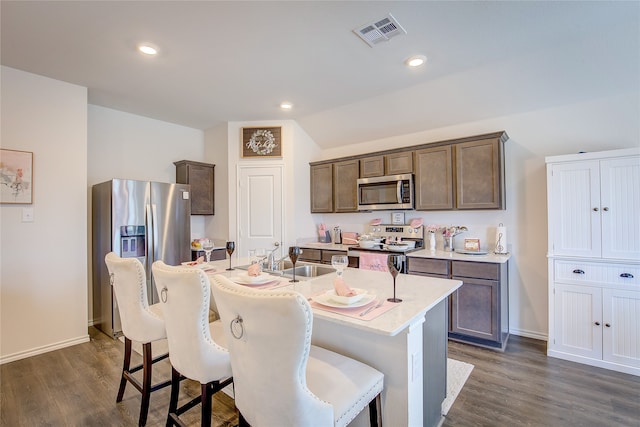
[44, 349]
[529, 334]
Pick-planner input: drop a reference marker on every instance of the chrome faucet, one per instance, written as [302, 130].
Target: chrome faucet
[270, 260]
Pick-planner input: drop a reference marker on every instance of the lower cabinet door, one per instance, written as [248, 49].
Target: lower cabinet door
[475, 309]
[621, 332]
[578, 320]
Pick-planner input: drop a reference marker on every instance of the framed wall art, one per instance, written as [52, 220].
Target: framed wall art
[16, 176]
[262, 142]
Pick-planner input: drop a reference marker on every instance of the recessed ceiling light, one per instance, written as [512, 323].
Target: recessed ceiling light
[286, 106]
[148, 49]
[415, 61]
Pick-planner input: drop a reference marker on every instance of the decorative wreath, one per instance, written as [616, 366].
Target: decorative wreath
[262, 142]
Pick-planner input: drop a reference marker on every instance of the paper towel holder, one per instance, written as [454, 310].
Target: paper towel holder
[501, 241]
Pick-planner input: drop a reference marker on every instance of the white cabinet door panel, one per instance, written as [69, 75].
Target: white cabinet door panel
[620, 208]
[578, 326]
[621, 333]
[575, 219]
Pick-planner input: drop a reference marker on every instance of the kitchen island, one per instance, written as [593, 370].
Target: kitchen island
[408, 343]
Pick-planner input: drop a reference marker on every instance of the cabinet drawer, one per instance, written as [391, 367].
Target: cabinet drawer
[310, 255]
[438, 267]
[567, 271]
[480, 270]
[327, 254]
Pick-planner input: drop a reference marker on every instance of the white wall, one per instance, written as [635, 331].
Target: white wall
[298, 150]
[43, 274]
[127, 146]
[594, 125]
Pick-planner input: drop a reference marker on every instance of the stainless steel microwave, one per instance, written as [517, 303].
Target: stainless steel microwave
[385, 193]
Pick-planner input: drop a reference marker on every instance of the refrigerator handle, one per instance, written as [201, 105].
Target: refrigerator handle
[150, 243]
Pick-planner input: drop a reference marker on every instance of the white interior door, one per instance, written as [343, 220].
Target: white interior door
[260, 210]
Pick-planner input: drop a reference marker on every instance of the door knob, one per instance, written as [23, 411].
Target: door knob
[596, 209]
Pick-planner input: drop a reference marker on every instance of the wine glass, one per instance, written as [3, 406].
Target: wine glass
[207, 247]
[394, 263]
[231, 246]
[339, 262]
[294, 251]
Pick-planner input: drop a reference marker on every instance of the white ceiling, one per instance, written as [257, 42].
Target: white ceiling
[236, 61]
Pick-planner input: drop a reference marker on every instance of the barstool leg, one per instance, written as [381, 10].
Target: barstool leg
[147, 364]
[125, 368]
[205, 400]
[175, 391]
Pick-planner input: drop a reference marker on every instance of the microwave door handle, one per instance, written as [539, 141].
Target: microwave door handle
[399, 191]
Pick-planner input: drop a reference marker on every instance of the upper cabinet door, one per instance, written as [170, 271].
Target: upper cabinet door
[201, 178]
[479, 175]
[434, 179]
[574, 208]
[620, 207]
[322, 188]
[398, 163]
[372, 166]
[345, 189]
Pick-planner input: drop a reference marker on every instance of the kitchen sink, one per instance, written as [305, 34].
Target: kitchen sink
[303, 269]
[309, 270]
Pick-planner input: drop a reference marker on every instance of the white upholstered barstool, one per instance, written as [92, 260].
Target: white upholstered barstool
[280, 379]
[140, 323]
[196, 347]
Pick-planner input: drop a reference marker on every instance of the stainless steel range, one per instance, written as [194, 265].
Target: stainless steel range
[392, 235]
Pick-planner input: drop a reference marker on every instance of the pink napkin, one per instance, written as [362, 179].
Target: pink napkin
[376, 221]
[416, 222]
[200, 260]
[342, 288]
[322, 230]
[254, 270]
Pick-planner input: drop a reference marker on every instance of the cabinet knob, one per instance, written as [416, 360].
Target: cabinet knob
[596, 209]
[606, 209]
[597, 323]
[578, 271]
[626, 275]
[607, 325]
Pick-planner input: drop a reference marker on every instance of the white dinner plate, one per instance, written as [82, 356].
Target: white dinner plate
[253, 280]
[325, 299]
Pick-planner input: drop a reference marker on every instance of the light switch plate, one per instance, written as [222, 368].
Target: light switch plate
[185, 195]
[27, 214]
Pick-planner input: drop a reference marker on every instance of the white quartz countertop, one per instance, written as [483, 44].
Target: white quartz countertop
[419, 295]
[423, 253]
[489, 257]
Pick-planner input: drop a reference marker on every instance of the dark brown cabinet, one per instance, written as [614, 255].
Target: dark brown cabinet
[464, 173]
[388, 164]
[479, 309]
[200, 176]
[480, 174]
[372, 166]
[398, 163]
[323, 256]
[434, 178]
[345, 189]
[322, 188]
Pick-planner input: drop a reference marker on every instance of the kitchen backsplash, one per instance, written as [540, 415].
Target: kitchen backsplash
[480, 224]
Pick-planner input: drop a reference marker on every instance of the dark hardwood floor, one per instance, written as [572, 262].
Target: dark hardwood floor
[77, 386]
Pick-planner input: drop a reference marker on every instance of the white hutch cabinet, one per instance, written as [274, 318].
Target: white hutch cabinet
[593, 202]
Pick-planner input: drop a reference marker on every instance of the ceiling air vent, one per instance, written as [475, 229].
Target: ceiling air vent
[380, 30]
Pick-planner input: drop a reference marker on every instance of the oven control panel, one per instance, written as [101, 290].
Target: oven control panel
[395, 231]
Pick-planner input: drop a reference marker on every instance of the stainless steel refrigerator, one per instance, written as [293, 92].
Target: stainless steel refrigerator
[136, 219]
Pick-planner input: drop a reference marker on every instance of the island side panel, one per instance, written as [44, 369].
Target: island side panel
[402, 396]
[435, 362]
